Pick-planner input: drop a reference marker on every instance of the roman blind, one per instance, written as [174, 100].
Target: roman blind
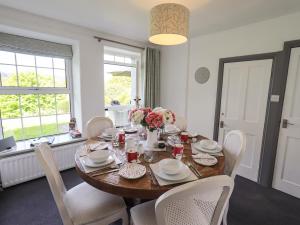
[20, 44]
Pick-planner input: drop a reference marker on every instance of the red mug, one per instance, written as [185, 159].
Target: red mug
[184, 137]
[132, 155]
[122, 137]
[177, 151]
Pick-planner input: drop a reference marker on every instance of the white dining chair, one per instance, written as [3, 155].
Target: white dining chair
[234, 147]
[201, 202]
[82, 204]
[181, 123]
[97, 125]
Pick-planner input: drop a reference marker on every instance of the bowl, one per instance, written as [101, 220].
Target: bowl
[99, 156]
[110, 132]
[170, 166]
[208, 144]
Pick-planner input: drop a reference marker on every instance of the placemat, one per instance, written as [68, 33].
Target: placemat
[155, 167]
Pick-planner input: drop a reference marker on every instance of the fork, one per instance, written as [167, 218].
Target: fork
[197, 173]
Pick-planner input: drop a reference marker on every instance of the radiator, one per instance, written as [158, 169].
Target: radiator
[25, 167]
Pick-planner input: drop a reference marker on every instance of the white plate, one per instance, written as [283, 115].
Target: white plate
[132, 171]
[170, 166]
[89, 163]
[99, 145]
[184, 173]
[198, 147]
[208, 144]
[207, 162]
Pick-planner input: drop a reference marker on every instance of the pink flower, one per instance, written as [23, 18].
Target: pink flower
[154, 120]
[146, 110]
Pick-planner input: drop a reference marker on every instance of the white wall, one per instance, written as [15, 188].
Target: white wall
[262, 37]
[174, 67]
[87, 60]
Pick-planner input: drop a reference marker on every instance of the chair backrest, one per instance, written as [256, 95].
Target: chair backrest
[97, 125]
[46, 159]
[181, 123]
[234, 148]
[201, 202]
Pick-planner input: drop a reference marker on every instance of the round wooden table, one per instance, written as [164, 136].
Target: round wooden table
[145, 187]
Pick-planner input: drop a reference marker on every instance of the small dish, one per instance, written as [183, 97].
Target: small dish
[170, 166]
[132, 171]
[98, 156]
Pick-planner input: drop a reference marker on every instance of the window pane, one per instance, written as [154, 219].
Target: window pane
[30, 105]
[9, 106]
[27, 76]
[108, 57]
[45, 77]
[12, 127]
[63, 123]
[31, 127]
[59, 63]
[43, 61]
[63, 104]
[8, 75]
[128, 60]
[25, 60]
[7, 57]
[47, 104]
[49, 125]
[119, 59]
[60, 78]
[117, 84]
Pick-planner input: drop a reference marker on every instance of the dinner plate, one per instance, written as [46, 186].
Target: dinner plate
[207, 162]
[198, 147]
[208, 144]
[89, 163]
[184, 173]
[132, 171]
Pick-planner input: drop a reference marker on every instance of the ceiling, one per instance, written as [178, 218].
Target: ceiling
[130, 18]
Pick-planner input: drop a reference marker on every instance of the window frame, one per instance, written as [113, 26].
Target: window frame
[17, 90]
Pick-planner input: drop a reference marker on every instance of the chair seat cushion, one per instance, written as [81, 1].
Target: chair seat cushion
[144, 214]
[87, 204]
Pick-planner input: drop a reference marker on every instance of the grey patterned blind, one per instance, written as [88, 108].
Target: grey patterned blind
[15, 43]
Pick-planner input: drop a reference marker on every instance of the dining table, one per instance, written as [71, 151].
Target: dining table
[147, 186]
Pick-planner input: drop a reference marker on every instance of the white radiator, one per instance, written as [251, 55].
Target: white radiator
[25, 167]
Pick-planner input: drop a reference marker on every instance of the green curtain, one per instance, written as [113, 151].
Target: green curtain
[152, 78]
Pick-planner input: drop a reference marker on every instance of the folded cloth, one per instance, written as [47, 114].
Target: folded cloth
[203, 156]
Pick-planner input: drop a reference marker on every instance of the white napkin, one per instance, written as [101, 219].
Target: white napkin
[155, 167]
[203, 156]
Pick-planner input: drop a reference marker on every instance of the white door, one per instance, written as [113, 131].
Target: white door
[243, 107]
[287, 167]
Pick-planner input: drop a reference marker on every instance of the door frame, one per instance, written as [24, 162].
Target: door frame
[272, 120]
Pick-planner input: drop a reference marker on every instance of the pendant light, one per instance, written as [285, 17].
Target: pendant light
[169, 24]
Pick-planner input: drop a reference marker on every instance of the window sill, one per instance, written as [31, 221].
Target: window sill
[24, 146]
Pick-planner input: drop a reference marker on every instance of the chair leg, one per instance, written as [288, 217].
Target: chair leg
[225, 214]
[124, 217]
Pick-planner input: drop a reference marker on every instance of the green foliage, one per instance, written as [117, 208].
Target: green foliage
[118, 88]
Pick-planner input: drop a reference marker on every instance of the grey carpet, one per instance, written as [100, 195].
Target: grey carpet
[31, 203]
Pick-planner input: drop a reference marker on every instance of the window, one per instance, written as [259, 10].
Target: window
[35, 95]
[120, 83]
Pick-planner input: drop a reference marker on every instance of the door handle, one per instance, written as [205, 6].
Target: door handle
[285, 123]
[221, 124]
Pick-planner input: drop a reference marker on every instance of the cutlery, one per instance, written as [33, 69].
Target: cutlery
[105, 172]
[194, 170]
[152, 177]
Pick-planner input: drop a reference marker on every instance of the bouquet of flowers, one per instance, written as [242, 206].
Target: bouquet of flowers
[152, 119]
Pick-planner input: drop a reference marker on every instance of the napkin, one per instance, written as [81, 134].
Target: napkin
[203, 156]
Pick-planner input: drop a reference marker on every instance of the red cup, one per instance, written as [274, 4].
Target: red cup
[122, 137]
[177, 151]
[184, 137]
[132, 155]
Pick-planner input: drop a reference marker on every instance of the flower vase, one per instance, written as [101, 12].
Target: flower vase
[151, 139]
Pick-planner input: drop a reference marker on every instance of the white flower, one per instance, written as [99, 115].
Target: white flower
[137, 116]
[166, 114]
